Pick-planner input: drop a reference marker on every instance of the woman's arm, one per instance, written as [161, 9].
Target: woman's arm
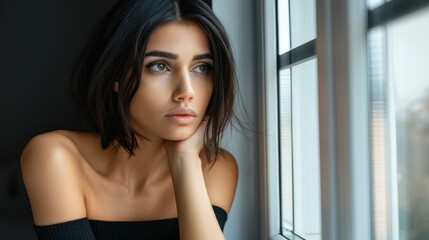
[197, 188]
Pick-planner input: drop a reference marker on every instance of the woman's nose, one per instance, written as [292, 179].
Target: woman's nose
[184, 91]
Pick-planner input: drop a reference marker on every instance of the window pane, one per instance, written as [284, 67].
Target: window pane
[381, 189]
[285, 98]
[302, 21]
[300, 171]
[408, 69]
[400, 127]
[283, 26]
[374, 3]
[297, 23]
[305, 132]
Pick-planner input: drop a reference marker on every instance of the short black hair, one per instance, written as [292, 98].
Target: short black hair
[115, 53]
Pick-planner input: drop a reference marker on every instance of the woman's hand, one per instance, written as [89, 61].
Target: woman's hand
[184, 152]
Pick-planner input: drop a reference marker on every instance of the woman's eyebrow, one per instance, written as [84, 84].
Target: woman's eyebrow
[203, 56]
[157, 53]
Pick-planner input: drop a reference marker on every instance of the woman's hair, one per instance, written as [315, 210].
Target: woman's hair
[115, 53]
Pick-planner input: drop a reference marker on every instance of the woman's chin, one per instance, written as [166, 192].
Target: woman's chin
[178, 137]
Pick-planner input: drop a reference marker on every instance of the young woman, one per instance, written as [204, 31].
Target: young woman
[157, 80]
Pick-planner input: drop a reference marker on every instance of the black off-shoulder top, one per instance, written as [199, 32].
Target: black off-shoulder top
[87, 229]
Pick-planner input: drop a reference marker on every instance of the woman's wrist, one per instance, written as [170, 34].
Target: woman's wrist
[180, 164]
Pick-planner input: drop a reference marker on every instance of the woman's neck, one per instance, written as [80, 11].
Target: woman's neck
[146, 167]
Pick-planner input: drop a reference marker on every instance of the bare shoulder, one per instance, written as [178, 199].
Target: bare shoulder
[221, 180]
[48, 143]
[225, 162]
[51, 172]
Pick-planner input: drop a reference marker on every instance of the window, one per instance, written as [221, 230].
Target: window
[347, 122]
[298, 118]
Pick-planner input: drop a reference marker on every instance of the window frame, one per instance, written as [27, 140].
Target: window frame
[271, 64]
[331, 174]
[268, 122]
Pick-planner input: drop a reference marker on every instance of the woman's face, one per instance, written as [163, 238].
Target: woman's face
[176, 83]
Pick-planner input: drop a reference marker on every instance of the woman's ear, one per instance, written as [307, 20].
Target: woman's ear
[115, 86]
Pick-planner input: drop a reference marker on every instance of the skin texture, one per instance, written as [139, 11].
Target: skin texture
[69, 176]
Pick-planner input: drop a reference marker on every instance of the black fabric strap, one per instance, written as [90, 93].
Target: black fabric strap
[221, 216]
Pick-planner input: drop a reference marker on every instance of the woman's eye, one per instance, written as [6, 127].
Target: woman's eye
[204, 68]
[158, 67]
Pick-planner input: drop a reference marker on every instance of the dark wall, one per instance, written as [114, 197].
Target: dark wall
[39, 41]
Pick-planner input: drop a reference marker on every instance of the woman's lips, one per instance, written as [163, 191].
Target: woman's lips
[181, 115]
[181, 119]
